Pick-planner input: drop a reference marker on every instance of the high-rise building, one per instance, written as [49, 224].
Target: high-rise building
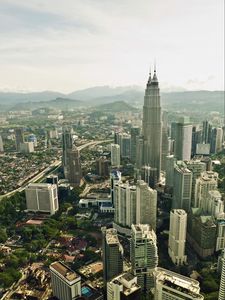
[115, 155]
[206, 132]
[112, 254]
[152, 125]
[215, 204]
[146, 204]
[177, 236]
[173, 286]
[27, 147]
[135, 204]
[143, 255]
[140, 150]
[102, 166]
[196, 167]
[67, 144]
[52, 179]
[196, 140]
[125, 145]
[42, 197]
[165, 140]
[219, 139]
[220, 234]
[123, 287]
[222, 281]
[115, 177]
[183, 138]
[208, 181]
[182, 187]
[202, 232]
[149, 175]
[73, 166]
[19, 137]
[135, 133]
[1, 144]
[170, 164]
[66, 284]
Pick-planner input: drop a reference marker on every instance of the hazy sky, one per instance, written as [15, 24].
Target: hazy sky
[65, 45]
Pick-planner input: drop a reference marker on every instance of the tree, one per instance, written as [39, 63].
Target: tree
[3, 235]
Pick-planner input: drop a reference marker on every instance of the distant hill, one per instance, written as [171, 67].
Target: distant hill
[118, 106]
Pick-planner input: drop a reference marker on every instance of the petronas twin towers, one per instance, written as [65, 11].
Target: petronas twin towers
[152, 126]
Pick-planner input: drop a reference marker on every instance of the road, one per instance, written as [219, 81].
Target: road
[54, 165]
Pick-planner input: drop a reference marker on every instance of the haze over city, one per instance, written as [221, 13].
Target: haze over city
[71, 45]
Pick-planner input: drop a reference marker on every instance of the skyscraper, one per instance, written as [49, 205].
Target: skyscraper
[222, 281]
[115, 155]
[183, 138]
[1, 145]
[143, 255]
[182, 186]
[173, 286]
[67, 144]
[135, 132]
[19, 137]
[73, 166]
[152, 125]
[177, 236]
[112, 254]
[165, 139]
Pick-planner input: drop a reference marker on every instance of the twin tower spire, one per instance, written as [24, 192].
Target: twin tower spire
[153, 79]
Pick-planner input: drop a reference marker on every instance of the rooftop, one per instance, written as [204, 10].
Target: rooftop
[64, 271]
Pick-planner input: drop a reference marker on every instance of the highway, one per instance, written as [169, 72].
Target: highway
[54, 165]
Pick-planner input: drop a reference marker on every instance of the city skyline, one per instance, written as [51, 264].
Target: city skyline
[55, 46]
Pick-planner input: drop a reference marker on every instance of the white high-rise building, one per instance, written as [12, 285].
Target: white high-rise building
[177, 236]
[115, 155]
[66, 284]
[152, 125]
[135, 204]
[170, 163]
[27, 147]
[222, 281]
[219, 139]
[173, 286]
[123, 286]
[215, 204]
[183, 139]
[182, 187]
[220, 234]
[42, 197]
[143, 255]
[208, 181]
[1, 145]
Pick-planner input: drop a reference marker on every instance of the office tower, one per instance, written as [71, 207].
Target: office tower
[139, 155]
[146, 204]
[42, 197]
[220, 233]
[152, 125]
[183, 139]
[74, 172]
[177, 236]
[125, 145]
[102, 167]
[213, 141]
[182, 187]
[215, 204]
[1, 145]
[66, 284]
[125, 204]
[165, 140]
[219, 139]
[123, 287]
[170, 164]
[67, 144]
[208, 181]
[196, 167]
[173, 286]
[19, 137]
[52, 179]
[143, 255]
[149, 175]
[112, 254]
[115, 177]
[115, 155]
[206, 132]
[27, 147]
[196, 139]
[135, 204]
[201, 232]
[222, 281]
[135, 133]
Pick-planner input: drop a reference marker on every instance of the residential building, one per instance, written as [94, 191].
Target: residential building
[42, 197]
[66, 284]
[143, 255]
[177, 236]
[173, 286]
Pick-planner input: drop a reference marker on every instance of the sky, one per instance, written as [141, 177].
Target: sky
[75, 44]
